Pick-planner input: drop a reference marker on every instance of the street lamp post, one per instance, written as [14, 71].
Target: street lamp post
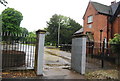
[60, 21]
[102, 62]
[101, 40]
[58, 33]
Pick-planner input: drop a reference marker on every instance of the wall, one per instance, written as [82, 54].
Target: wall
[116, 26]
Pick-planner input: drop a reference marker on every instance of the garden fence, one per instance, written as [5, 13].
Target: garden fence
[18, 50]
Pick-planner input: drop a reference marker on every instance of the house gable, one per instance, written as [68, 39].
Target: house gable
[99, 21]
[89, 8]
[116, 13]
[106, 18]
[100, 8]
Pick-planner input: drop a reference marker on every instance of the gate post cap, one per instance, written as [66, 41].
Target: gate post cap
[40, 31]
[79, 35]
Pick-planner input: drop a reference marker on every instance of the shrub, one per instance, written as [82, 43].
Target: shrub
[115, 43]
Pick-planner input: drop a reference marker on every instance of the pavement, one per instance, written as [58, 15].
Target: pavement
[57, 65]
[59, 73]
[54, 58]
[64, 58]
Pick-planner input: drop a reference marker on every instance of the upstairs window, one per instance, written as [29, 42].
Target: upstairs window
[89, 25]
[90, 19]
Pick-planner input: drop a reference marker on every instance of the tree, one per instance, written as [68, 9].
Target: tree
[67, 28]
[11, 20]
[23, 30]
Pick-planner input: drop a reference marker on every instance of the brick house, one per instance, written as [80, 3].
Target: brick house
[101, 21]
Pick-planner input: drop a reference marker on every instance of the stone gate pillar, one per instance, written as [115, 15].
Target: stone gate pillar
[39, 52]
[78, 57]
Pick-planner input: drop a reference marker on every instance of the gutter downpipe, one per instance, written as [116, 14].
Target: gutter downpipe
[108, 33]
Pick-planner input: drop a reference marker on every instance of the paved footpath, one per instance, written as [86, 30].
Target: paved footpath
[59, 72]
[67, 56]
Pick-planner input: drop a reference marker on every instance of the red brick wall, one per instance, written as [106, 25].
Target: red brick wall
[99, 22]
[119, 25]
[116, 26]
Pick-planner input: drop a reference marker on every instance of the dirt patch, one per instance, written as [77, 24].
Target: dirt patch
[19, 74]
[102, 74]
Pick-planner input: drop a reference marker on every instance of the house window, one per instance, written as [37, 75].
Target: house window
[89, 25]
[90, 19]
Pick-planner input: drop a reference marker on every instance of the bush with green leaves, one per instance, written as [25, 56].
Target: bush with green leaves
[115, 43]
[30, 38]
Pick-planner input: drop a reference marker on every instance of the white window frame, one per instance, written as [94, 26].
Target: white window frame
[105, 42]
[89, 25]
[90, 19]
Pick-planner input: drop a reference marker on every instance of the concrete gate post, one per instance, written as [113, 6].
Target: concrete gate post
[39, 52]
[78, 57]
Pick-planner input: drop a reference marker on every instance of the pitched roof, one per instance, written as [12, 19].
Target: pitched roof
[114, 7]
[79, 31]
[116, 11]
[103, 9]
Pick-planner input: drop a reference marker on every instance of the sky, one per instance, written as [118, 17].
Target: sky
[37, 12]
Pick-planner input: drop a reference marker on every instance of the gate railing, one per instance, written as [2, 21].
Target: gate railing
[18, 50]
[100, 56]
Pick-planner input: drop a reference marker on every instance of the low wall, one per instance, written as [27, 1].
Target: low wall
[13, 58]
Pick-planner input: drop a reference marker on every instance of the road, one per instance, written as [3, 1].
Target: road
[54, 58]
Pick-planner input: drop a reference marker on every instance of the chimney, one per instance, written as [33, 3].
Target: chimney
[113, 2]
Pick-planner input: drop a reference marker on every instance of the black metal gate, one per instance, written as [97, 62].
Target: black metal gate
[18, 50]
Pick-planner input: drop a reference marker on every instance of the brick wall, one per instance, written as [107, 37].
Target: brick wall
[119, 25]
[116, 26]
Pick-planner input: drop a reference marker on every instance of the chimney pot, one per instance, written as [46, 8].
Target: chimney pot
[113, 2]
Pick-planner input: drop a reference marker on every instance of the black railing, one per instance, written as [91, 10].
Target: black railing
[103, 53]
[18, 50]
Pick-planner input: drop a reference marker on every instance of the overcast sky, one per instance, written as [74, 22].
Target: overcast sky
[37, 12]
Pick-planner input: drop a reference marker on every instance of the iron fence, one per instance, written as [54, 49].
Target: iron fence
[101, 55]
[18, 50]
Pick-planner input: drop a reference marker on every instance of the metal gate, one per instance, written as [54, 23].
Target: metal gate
[18, 50]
